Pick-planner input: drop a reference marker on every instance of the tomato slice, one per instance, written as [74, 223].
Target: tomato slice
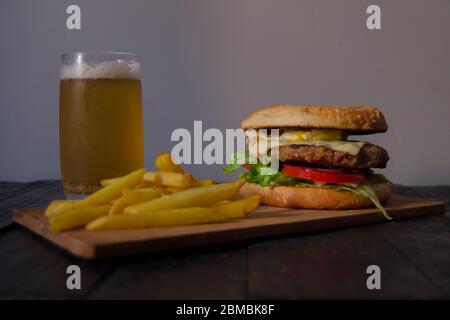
[321, 175]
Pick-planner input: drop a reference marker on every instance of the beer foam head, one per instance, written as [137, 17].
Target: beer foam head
[119, 69]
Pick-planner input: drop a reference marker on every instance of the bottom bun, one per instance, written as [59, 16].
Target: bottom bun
[314, 198]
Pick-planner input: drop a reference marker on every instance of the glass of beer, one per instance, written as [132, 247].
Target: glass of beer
[100, 113]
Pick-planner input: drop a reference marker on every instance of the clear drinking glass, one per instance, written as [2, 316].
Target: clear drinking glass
[100, 116]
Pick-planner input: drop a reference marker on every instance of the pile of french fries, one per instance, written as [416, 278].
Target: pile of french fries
[144, 199]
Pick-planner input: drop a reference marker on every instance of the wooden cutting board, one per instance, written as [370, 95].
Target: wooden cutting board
[263, 222]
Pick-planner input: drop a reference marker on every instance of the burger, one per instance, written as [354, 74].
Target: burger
[319, 167]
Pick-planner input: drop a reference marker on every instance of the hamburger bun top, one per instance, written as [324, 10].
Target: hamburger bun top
[357, 120]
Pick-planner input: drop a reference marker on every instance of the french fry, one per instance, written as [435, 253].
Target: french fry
[170, 179]
[106, 182]
[58, 206]
[236, 209]
[161, 190]
[76, 217]
[113, 190]
[203, 183]
[131, 197]
[180, 216]
[202, 196]
[196, 184]
[164, 163]
[141, 194]
[170, 190]
[148, 184]
[118, 206]
[101, 197]
[145, 184]
[64, 208]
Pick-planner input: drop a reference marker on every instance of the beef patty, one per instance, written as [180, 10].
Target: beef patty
[369, 156]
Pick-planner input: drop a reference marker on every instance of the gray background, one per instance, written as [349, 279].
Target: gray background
[217, 60]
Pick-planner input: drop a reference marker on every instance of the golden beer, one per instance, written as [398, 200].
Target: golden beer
[101, 127]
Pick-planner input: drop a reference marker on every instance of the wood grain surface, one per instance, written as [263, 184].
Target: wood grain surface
[412, 254]
[265, 221]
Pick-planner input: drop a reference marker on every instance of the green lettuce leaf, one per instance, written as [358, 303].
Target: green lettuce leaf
[367, 191]
[233, 164]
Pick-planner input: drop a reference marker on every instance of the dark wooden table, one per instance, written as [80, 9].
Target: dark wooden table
[414, 257]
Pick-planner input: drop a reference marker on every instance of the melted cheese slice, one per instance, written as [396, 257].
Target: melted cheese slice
[288, 138]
